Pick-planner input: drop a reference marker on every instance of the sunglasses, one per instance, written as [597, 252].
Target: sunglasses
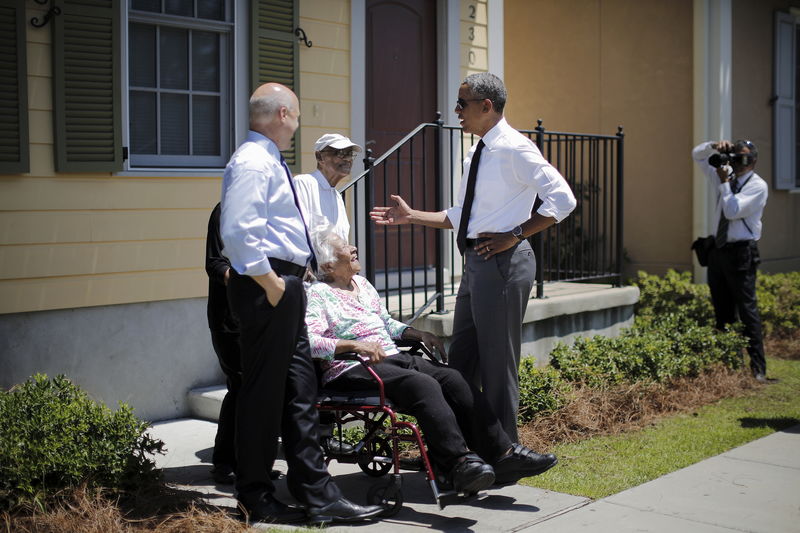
[461, 103]
[344, 153]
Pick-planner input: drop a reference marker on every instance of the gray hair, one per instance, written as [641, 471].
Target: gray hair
[487, 85]
[321, 237]
[264, 106]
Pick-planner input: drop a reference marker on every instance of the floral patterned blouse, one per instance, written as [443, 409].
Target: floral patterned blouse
[334, 314]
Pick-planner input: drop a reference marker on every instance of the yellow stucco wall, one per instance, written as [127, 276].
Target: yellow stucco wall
[71, 240]
[591, 65]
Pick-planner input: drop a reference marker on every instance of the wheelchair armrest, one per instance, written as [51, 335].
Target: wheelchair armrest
[347, 356]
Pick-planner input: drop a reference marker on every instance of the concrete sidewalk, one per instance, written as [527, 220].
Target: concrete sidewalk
[753, 488]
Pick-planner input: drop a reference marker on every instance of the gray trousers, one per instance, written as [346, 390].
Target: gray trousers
[487, 326]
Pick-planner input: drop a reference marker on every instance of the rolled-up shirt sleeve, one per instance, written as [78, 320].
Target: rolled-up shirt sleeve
[243, 222]
[322, 345]
[532, 168]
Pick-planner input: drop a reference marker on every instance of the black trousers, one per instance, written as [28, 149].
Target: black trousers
[226, 346]
[278, 394]
[454, 416]
[732, 280]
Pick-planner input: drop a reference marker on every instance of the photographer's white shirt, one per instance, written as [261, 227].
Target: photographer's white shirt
[743, 209]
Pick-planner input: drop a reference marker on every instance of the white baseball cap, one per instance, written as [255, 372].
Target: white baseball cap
[334, 140]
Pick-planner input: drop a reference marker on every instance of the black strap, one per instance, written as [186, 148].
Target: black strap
[297, 203]
[461, 238]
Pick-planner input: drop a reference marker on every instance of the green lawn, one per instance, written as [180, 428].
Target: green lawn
[602, 466]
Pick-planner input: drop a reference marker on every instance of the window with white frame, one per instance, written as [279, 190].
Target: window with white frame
[786, 123]
[180, 83]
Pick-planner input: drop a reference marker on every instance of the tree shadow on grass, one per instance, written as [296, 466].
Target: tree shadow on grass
[776, 423]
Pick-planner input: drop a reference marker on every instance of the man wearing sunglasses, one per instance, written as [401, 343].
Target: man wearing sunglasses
[740, 195]
[493, 217]
[317, 192]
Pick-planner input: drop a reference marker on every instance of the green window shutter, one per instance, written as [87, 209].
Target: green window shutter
[14, 156]
[275, 54]
[86, 86]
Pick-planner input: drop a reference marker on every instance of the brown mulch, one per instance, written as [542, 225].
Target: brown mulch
[783, 347]
[87, 511]
[594, 412]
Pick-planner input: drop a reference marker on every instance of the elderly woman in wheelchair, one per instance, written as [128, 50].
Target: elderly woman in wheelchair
[465, 439]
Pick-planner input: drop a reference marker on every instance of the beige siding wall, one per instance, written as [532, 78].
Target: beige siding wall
[752, 75]
[474, 37]
[324, 73]
[591, 65]
[70, 240]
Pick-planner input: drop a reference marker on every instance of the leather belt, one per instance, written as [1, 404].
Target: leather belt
[286, 268]
[471, 243]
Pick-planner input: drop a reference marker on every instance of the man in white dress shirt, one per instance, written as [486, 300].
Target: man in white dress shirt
[317, 192]
[493, 219]
[732, 263]
[268, 246]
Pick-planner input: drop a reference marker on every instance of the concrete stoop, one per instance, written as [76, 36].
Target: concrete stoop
[568, 311]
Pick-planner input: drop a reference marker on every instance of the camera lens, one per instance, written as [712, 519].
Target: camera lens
[717, 160]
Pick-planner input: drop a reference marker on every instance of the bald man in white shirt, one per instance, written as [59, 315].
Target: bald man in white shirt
[493, 219]
[267, 243]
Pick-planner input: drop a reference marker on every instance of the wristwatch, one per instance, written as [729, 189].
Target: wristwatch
[517, 232]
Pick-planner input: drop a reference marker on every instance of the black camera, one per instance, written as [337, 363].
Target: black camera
[717, 160]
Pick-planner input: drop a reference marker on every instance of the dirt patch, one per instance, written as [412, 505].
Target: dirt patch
[595, 412]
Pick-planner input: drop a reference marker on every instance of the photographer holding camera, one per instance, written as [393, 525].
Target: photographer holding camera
[741, 197]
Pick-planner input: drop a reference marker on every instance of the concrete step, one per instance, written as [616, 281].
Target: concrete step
[205, 402]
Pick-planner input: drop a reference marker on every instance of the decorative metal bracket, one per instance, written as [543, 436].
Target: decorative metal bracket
[301, 36]
[53, 11]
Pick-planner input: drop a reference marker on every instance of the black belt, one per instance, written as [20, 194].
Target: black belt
[286, 268]
[738, 244]
[471, 243]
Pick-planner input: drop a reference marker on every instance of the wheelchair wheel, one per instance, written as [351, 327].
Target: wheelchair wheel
[375, 458]
[389, 495]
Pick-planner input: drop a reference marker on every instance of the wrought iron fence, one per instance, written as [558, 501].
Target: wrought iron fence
[414, 267]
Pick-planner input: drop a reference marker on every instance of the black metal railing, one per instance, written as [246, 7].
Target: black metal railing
[414, 267]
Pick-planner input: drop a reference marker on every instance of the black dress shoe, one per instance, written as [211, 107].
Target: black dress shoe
[761, 378]
[223, 474]
[334, 446]
[471, 475]
[342, 510]
[521, 462]
[268, 509]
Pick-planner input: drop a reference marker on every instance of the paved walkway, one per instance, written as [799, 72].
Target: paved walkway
[753, 488]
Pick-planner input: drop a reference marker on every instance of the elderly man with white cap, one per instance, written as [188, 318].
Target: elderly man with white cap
[317, 191]
[322, 204]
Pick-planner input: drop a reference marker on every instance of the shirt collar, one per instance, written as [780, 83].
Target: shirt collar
[323, 182]
[494, 134]
[741, 179]
[265, 142]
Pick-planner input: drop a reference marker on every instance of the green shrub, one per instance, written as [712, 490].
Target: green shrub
[541, 390]
[779, 303]
[53, 436]
[778, 300]
[650, 353]
[674, 293]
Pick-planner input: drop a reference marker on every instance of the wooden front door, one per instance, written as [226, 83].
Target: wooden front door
[401, 94]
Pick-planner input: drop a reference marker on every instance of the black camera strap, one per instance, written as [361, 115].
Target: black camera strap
[736, 190]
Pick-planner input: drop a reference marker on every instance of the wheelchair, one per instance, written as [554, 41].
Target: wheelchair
[378, 451]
